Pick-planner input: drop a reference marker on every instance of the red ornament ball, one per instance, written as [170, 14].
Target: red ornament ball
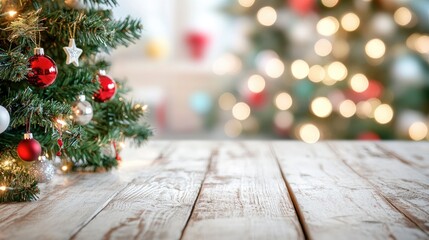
[29, 149]
[107, 90]
[43, 70]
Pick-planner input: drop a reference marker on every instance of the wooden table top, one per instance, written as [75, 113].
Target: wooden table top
[238, 190]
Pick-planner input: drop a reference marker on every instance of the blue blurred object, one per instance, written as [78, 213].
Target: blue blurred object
[201, 102]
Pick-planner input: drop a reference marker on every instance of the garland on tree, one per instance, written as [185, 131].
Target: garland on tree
[44, 105]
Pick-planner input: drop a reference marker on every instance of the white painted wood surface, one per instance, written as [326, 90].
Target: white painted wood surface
[238, 190]
[243, 197]
[334, 201]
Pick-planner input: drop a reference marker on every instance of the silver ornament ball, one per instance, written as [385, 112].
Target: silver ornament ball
[82, 111]
[43, 170]
[4, 119]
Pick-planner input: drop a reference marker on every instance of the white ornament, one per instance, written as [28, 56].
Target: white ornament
[4, 119]
[73, 53]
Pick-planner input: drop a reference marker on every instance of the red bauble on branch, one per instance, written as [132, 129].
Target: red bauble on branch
[42, 69]
[29, 149]
[108, 88]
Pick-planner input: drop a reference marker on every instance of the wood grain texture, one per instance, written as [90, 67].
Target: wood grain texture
[157, 204]
[66, 204]
[400, 184]
[415, 154]
[243, 197]
[334, 201]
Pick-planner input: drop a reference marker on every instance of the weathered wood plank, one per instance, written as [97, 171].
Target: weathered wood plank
[399, 183]
[157, 204]
[66, 204]
[243, 197]
[415, 154]
[334, 201]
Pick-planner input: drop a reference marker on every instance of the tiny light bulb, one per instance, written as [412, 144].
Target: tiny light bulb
[64, 168]
[2, 188]
[144, 107]
[61, 122]
[12, 13]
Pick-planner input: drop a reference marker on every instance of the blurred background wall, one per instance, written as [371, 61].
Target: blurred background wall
[290, 69]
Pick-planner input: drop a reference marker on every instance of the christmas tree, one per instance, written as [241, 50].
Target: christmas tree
[330, 69]
[50, 60]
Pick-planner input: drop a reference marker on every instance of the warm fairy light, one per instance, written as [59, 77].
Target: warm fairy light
[64, 168]
[283, 101]
[12, 13]
[347, 108]
[337, 71]
[421, 44]
[144, 107]
[3, 188]
[241, 111]
[323, 47]
[329, 3]
[327, 26]
[121, 144]
[256, 83]
[359, 83]
[321, 107]
[341, 49]
[226, 64]
[61, 122]
[418, 131]
[283, 119]
[226, 101]
[274, 68]
[233, 128]
[317, 73]
[329, 81]
[412, 39]
[374, 102]
[375, 48]
[267, 16]
[403, 16]
[300, 69]
[309, 133]
[383, 114]
[246, 3]
[363, 109]
[350, 22]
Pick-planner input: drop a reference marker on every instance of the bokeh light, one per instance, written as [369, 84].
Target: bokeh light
[418, 131]
[317, 73]
[347, 108]
[227, 101]
[337, 71]
[267, 16]
[327, 26]
[329, 3]
[300, 69]
[233, 128]
[246, 3]
[403, 16]
[383, 114]
[241, 111]
[350, 22]
[256, 83]
[283, 101]
[321, 107]
[359, 83]
[323, 47]
[283, 120]
[274, 68]
[226, 64]
[309, 133]
[375, 48]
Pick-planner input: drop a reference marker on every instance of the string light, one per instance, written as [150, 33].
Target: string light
[256, 83]
[241, 111]
[283, 101]
[418, 131]
[61, 122]
[350, 22]
[267, 16]
[375, 48]
[309, 133]
[300, 69]
[64, 168]
[144, 107]
[321, 107]
[3, 188]
[383, 114]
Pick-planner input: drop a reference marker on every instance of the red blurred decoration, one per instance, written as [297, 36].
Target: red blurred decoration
[368, 136]
[117, 156]
[43, 70]
[107, 90]
[60, 144]
[302, 6]
[256, 99]
[197, 42]
[29, 149]
[374, 90]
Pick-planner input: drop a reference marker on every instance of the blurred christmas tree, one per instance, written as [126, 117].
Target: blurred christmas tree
[330, 69]
[42, 91]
